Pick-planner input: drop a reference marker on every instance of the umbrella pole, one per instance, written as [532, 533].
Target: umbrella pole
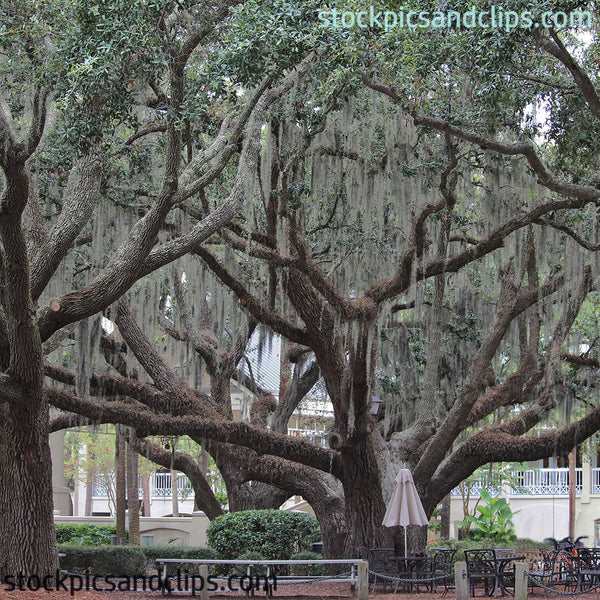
[405, 540]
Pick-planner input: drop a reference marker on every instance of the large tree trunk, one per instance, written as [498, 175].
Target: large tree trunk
[329, 510]
[26, 494]
[27, 538]
[243, 494]
[365, 507]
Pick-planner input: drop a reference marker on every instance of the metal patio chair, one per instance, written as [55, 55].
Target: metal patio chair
[481, 568]
[442, 566]
[383, 566]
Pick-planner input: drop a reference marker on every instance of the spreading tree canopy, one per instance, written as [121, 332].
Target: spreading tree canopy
[418, 229]
[413, 211]
[103, 106]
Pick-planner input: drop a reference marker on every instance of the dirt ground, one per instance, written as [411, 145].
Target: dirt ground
[315, 591]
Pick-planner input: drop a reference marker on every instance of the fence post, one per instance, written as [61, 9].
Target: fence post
[362, 584]
[203, 573]
[521, 581]
[461, 581]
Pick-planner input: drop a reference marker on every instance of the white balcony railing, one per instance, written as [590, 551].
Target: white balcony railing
[316, 436]
[539, 482]
[545, 482]
[475, 486]
[100, 486]
[103, 483]
[162, 486]
[595, 481]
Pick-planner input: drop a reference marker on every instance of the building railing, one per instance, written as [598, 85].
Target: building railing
[103, 483]
[100, 487]
[162, 486]
[475, 486]
[595, 481]
[315, 436]
[538, 482]
[545, 482]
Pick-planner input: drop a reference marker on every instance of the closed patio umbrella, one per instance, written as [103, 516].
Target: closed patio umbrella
[405, 507]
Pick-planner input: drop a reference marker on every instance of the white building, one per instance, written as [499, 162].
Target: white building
[540, 503]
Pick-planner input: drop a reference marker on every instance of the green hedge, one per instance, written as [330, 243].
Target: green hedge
[84, 534]
[154, 552]
[461, 545]
[275, 534]
[241, 570]
[126, 561]
[307, 569]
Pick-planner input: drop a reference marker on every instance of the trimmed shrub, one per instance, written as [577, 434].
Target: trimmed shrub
[84, 534]
[154, 552]
[275, 534]
[200, 552]
[307, 569]
[241, 570]
[126, 561]
[461, 545]
[526, 543]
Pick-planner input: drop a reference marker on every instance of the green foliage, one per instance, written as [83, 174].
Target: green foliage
[110, 48]
[126, 561]
[435, 523]
[241, 570]
[193, 552]
[199, 552]
[84, 534]
[222, 498]
[494, 521]
[307, 569]
[129, 560]
[275, 534]
[264, 37]
[429, 66]
[461, 545]
[491, 477]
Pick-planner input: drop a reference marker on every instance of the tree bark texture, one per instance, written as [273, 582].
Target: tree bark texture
[26, 492]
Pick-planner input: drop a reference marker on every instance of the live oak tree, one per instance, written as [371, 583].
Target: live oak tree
[521, 236]
[535, 99]
[207, 341]
[430, 265]
[426, 266]
[94, 93]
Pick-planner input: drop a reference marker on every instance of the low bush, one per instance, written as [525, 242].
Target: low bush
[461, 545]
[529, 543]
[241, 570]
[274, 534]
[117, 561]
[154, 552]
[306, 569]
[84, 534]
